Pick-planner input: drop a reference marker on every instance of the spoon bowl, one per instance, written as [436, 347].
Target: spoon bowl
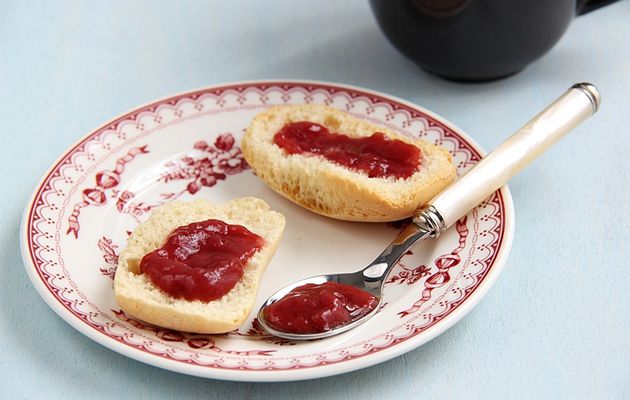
[353, 279]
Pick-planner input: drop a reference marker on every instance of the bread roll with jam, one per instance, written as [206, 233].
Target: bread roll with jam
[150, 290]
[371, 174]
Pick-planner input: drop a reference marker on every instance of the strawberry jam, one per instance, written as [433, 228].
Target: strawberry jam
[316, 308]
[201, 261]
[378, 156]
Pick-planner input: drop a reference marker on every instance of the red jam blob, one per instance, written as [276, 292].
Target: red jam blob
[201, 261]
[378, 156]
[316, 308]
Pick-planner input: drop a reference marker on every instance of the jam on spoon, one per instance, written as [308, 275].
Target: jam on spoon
[316, 308]
[377, 155]
[201, 261]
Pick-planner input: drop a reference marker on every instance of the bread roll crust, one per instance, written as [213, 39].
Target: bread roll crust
[333, 190]
[140, 298]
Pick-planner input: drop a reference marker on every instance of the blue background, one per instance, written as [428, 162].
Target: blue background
[555, 325]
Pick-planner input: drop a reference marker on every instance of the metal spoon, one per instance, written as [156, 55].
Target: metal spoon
[569, 110]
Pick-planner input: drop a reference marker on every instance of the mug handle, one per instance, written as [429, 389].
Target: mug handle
[586, 6]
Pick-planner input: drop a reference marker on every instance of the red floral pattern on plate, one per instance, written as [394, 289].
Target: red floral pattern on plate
[110, 256]
[194, 341]
[441, 277]
[408, 275]
[219, 161]
[106, 179]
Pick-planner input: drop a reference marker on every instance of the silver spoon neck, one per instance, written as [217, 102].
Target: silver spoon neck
[426, 223]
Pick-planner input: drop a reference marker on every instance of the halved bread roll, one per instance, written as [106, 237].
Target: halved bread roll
[331, 189]
[139, 297]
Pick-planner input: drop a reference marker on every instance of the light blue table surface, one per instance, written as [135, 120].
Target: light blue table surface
[555, 325]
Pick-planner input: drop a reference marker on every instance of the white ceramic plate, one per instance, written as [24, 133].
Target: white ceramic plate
[187, 146]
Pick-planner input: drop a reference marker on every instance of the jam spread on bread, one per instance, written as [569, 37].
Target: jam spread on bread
[202, 260]
[316, 308]
[377, 155]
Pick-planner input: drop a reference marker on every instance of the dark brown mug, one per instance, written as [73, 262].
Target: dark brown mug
[477, 40]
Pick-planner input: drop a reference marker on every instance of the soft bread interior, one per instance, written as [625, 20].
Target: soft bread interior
[140, 298]
[334, 190]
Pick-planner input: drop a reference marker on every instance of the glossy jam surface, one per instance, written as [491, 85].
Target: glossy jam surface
[378, 156]
[316, 308]
[201, 261]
